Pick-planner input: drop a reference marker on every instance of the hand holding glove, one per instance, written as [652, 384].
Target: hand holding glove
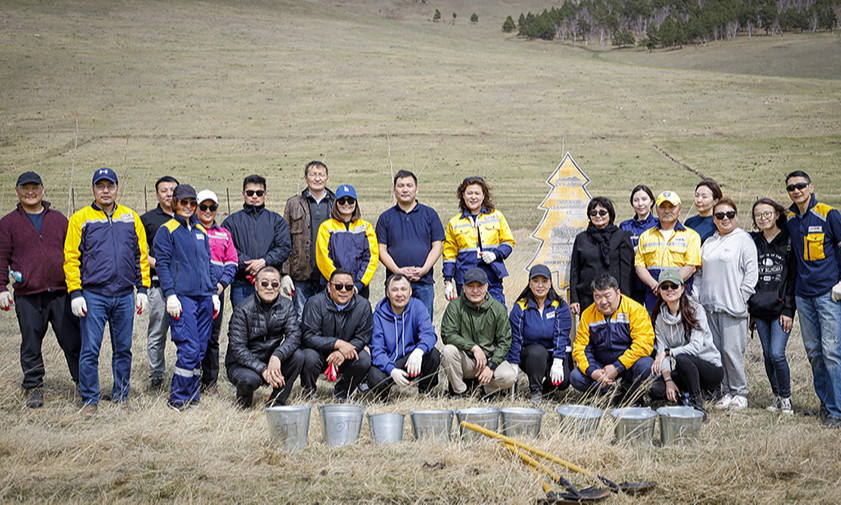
[556, 373]
[287, 285]
[141, 302]
[79, 306]
[413, 364]
[330, 373]
[836, 293]
[216, 305]
[488, 257]
[399, 377]
[173, 306]
[6, 300]
[449, 291]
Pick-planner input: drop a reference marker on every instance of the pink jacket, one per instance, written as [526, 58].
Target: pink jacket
[223, 254]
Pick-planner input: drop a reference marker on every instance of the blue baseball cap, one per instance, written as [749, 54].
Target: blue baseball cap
[345, 190]
[104, 173]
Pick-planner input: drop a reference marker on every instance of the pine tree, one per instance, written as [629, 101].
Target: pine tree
[508, 26]
[474, 18]
[437, 16]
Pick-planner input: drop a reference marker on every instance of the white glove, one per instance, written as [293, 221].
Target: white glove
[556, 373]
[399, 377]
[488, 257]
[287, 285]
[216, 305]
[6, 300]
[836, 293]
[79, 306]
[173, 306]
[449, 291]
[413, 364]
[141, 302]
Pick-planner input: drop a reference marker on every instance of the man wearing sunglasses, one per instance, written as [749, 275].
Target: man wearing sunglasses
[263, 341]
[260, 236]
[223, 259]
[815, 230]
[158, 319]
[336, 326]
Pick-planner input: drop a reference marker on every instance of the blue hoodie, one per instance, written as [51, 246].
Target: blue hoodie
[396, 336]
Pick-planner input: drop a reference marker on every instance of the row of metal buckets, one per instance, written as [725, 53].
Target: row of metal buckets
[342, 423]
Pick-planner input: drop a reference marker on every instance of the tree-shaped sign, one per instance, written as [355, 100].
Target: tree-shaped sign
[565, 217]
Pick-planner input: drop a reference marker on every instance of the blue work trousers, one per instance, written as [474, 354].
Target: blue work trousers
[190, 334]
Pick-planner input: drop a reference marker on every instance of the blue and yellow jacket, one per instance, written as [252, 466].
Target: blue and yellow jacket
[464, 239]
[549, 329]
[105, 254]
[183, 258]
[619, 340]
[816, 240]
[352, 246]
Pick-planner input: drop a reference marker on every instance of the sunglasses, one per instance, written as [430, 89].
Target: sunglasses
[764, 215]
[342, 287]
[602, 213]
[730, 214]
[273, 284]
[258, 192]
[669, 286]
[191, 203]
[800, 185]
[211, 208]
[346, 200]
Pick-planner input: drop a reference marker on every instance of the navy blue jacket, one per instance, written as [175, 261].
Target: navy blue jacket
[396, 336]
[550, 329]
[183, 259]
[258, 233]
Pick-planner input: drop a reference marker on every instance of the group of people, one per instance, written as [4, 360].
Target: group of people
[654, 296]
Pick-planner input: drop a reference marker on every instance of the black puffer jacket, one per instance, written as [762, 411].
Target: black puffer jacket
[774, 294]
[258, 233]
[323, 323]
[255, 333]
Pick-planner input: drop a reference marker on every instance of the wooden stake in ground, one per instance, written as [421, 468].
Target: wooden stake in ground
[71, 204]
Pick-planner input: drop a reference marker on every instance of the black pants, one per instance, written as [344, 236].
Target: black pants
[246, 380]
[34, 313]
[536, 362]
[691, 375]
[210, 363]
[353, 372]
[380, 383]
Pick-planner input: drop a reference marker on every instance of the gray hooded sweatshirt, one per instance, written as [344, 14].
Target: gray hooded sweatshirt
[668, 331]
[729, 273]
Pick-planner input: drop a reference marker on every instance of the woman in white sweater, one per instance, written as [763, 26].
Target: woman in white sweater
[725, 283]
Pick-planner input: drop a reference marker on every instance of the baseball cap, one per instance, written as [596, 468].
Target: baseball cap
[668, 196]
[476, 274]
[29, 178]
[540, 271]
[183, 191]
[670, 275]
[206, 194]
[345, 190]
[105, 173]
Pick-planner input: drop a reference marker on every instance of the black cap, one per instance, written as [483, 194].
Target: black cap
[476, 274]
[29, 178]
[540, 270]
[183, 191]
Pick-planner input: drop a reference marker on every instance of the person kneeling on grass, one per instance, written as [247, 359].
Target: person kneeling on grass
[263, 341]
[403, 341]
[614, 341]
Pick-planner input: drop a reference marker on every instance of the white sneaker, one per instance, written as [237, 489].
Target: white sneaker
[775, 405]
[724, 402]
[739, 403]
[785, 406]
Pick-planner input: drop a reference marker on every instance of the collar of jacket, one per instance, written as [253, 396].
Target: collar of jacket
[678, 226]
[182, 221]
[532, 304]
[253, 209]
[472, 306]
[812, 202]
[329, 194]
[331, 305]
[384, 309]
[44, 203]
[96, 207]
[466, 213]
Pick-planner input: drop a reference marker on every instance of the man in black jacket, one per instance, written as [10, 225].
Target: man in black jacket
[260, 236]
[337, 325]
[263, 340]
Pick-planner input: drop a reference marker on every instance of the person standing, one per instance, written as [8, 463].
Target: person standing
[304, 214]
[707, 195]
[642, 200]
[411, 238]
[260, 236]
[32, 245]
[104, 261]
[223, 258]
[815, 230]
[158, 318]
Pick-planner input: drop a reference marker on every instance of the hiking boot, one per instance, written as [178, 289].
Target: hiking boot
[775, 405]
[739, 403]
[35, 398]
[832, 423]
[209, 389]
[785, 406]
[88, 411]
[156, 384]
[244, 401]
[724, 402]
[536, 398]
[696, 401]
[452, 394]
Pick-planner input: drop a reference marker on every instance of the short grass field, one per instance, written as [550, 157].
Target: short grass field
[211, 91]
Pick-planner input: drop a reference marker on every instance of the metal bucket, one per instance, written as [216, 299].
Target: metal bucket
[679, 425]
[288, 426]
[519, 421]
[432, 424]
[341, 423]
[487, 418]
[386, 428]
[580, 419]
[634, 424]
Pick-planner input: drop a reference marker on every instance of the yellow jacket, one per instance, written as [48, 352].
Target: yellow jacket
[352, 246]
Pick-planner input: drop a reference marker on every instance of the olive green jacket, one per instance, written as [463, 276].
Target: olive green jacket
[465, 325]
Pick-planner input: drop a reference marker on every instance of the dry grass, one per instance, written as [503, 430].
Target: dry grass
[212, 91]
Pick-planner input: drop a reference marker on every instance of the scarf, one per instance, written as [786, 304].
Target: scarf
[601, 237]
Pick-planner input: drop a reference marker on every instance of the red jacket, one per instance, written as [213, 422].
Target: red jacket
[39, 258]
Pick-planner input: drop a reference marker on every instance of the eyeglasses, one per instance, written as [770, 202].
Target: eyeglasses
[266, 284]
[764, 215]
[346, 200]
[191, 203]
[799, 186]
[342, 287]
[211, 207]
[669, 286]
[601, 213]
[258, 192]
[730, 214]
